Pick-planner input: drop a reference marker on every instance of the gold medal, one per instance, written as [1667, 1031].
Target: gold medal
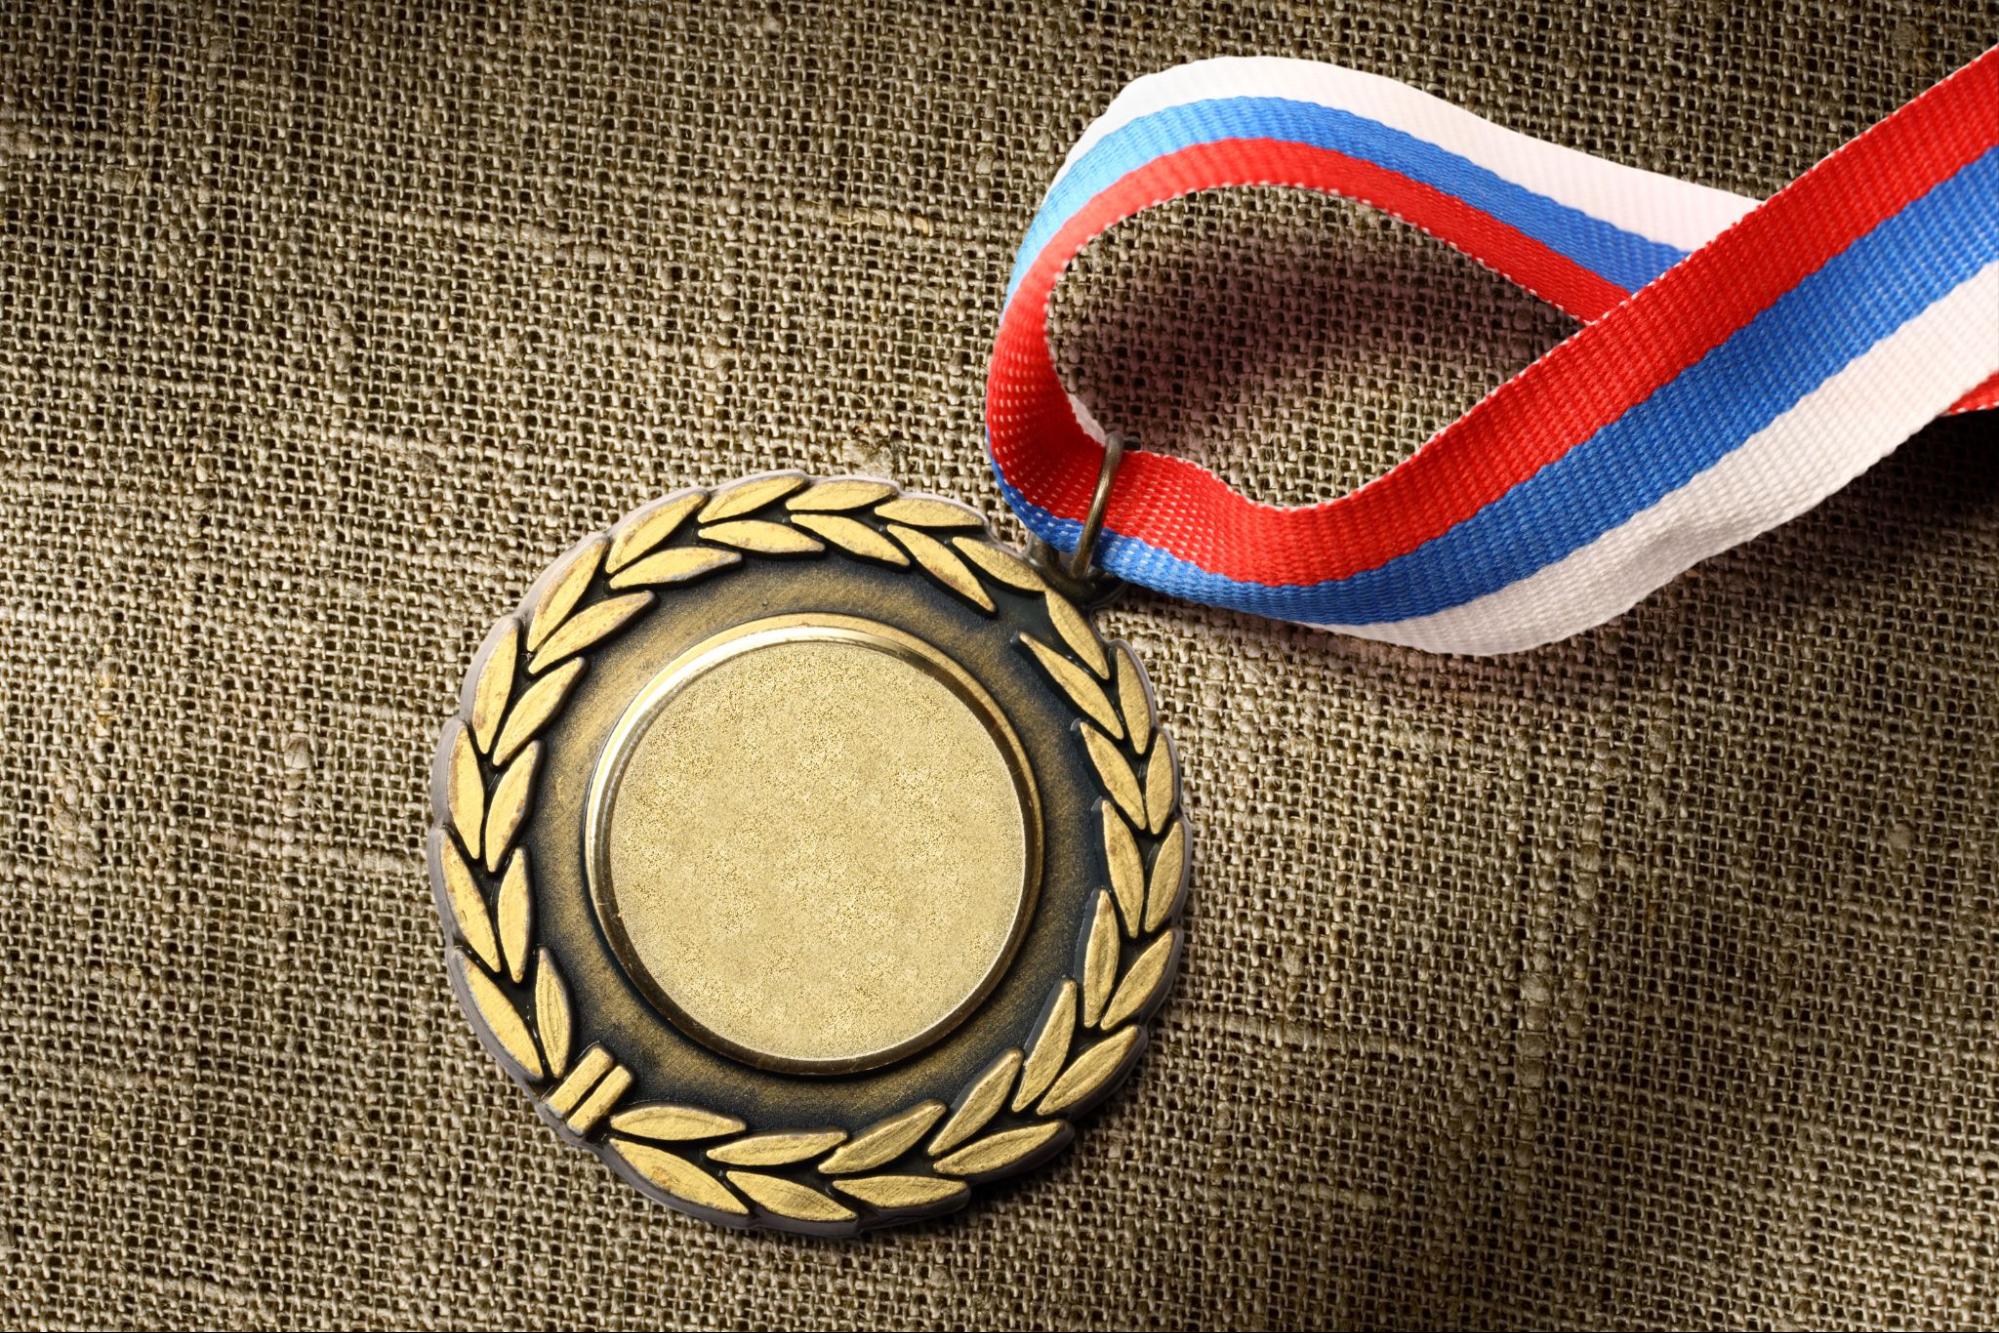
[806, 854]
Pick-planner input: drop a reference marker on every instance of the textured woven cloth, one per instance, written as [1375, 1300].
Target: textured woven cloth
[1651, 978]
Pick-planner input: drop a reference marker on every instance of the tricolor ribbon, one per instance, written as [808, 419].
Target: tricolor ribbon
[1738, 362]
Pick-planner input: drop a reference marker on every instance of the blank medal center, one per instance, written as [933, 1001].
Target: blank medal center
[816, 847]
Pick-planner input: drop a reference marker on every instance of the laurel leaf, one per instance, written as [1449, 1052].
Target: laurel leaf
[788, 1198]
[1114, 772]
[509, 805]
[1127, 870]
[551, 1011]
[1100, 960]
[777, 1149]
[1142, 980]
[840, 494]
[638, 533]
[1169, 866]
[883, 1141]
[468, 905]
[498, 1015]
[581, 631]
[678, 1177]
[534, 708]
[1003, 1151]
[1161, 783]
[1049, 1048]
[496, 684]
[897, 1193]
[999, 562]
[922, 511]
[763, 537]
[678, 565]
[980, 1103]
[1132, 698]
[942, 565]
[560, 593]
[1087, 1075]
[668, 1123]
[749, 496]
[465, 789]
[1076, 632]
[854, 537]
[516, 913]
[1082, 689]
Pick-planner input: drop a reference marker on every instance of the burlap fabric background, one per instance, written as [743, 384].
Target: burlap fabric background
[1649, 978]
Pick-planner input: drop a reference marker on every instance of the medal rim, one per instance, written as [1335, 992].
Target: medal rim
[1144, 915]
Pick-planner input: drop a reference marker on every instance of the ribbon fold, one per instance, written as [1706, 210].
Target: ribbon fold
[1738, 363]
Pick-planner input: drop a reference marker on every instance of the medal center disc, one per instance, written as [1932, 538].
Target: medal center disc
[814, 843]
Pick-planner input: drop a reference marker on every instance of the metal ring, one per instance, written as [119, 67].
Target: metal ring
[1080, 566]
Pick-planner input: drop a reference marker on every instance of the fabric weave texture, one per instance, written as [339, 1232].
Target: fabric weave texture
[1650, 978]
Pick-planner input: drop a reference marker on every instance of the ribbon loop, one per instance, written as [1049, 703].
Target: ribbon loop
[1739, 362]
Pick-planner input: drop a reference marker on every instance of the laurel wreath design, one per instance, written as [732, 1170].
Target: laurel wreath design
[1015, 1112]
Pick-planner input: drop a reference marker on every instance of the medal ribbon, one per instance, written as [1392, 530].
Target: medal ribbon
[1738, 362]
